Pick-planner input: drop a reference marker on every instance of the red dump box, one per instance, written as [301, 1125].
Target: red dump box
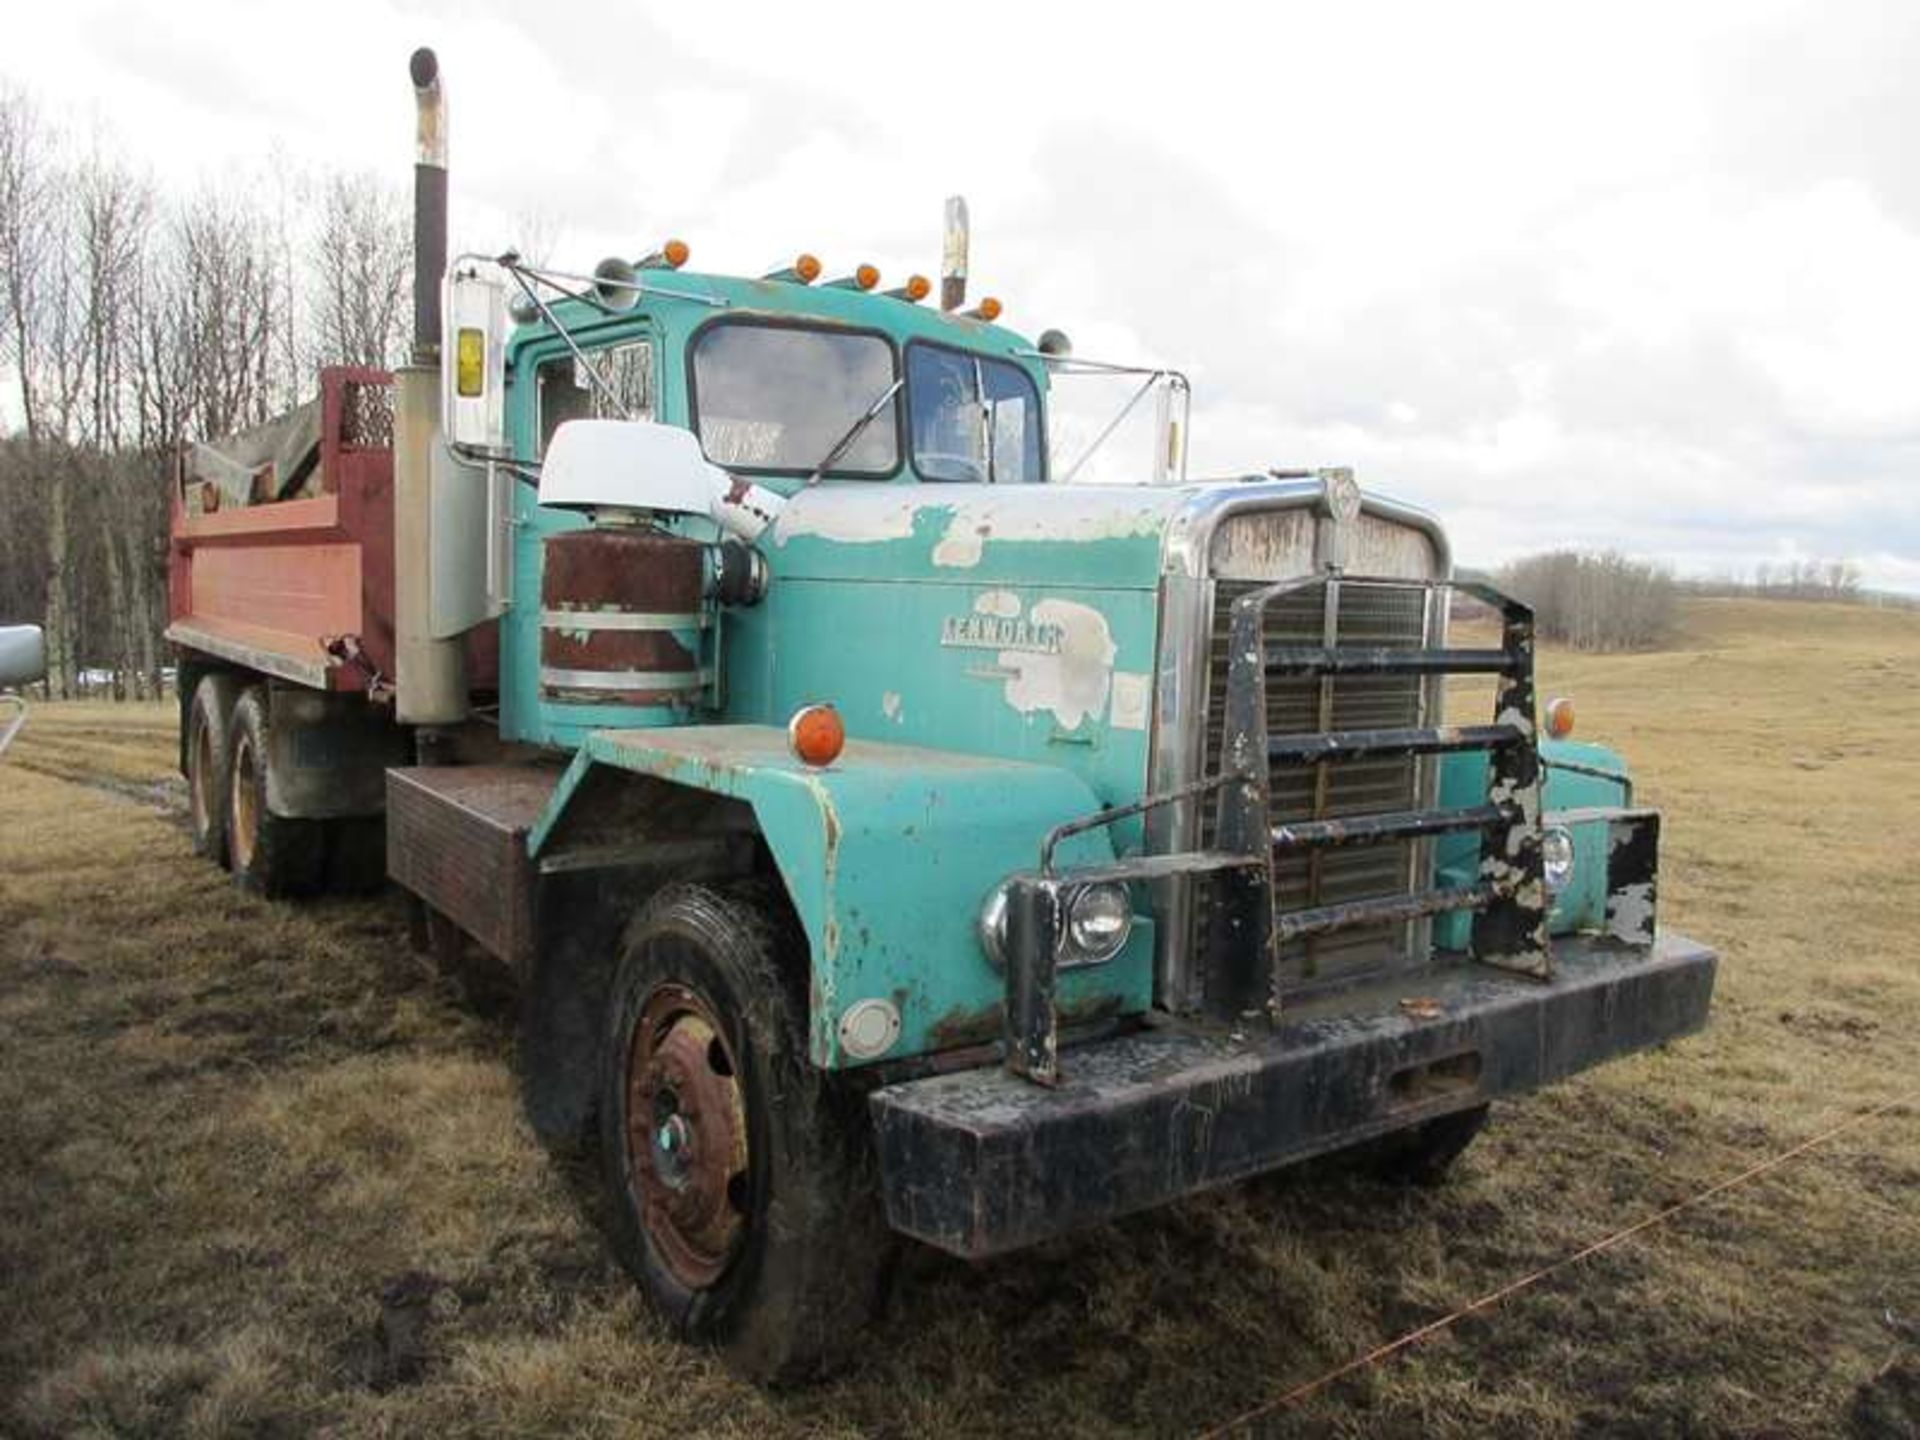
[283, 540]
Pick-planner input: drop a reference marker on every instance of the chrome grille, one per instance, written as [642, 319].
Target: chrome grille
[1363, 615]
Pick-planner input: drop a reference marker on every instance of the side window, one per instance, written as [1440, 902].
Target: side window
[565, 392]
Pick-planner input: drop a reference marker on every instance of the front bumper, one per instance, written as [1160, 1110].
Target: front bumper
[982, 1161]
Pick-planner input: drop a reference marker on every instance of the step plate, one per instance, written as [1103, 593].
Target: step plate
[457, 839]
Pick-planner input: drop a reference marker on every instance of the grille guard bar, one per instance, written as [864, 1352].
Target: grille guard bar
[1509, 898]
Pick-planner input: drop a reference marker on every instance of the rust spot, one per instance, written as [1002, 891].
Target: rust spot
[962, 1027]
[602, 573]
[1422, 1007]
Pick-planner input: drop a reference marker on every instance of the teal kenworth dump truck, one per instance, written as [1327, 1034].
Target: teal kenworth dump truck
[887, 837]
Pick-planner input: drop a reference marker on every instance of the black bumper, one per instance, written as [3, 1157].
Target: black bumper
[982, 1162]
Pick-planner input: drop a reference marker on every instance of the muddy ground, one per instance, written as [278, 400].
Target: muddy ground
[262, 1172]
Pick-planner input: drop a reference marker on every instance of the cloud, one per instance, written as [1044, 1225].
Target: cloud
[1646, 277]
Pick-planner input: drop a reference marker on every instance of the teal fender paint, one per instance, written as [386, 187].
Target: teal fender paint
[888, 855]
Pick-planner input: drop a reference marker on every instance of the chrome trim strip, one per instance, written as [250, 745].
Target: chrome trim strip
[553, 678]
[1189, 536]
[620, 620]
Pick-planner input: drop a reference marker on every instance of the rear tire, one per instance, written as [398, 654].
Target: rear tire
[739, 1179]
[271, 855]
[209, 741]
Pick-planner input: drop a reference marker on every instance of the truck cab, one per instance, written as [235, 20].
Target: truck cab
[892, 838]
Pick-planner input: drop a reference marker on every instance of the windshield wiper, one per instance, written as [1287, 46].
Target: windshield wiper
[854, 432]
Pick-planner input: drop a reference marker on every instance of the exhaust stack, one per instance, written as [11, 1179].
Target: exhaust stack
[953, 255]
[429, 203]
[430, 681]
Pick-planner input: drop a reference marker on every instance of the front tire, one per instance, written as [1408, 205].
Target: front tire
[738, 1177]
[271, 855]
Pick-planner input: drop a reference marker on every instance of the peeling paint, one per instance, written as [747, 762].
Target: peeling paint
[890, 706]
[1073, 514]
[962, 546]
[1630, 913]
[849, 518]
[1001, 603]
[1132, 699]
[1072, 683]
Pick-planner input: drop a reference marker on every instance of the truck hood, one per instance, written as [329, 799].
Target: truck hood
[1104, 536]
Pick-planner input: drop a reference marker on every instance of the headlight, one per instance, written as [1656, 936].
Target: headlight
[1556, 857]
[1097, 921]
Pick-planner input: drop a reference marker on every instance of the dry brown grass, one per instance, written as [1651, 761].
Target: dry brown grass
[262, 1173]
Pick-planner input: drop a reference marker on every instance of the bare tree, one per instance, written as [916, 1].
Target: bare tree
[229, 304]
[1595, 601]
[362, 266]
[26, 193]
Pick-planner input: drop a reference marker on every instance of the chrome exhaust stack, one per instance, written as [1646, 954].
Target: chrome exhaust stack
[430, 683]
[429, 203]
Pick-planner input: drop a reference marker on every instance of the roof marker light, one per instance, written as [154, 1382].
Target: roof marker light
[988, 309]
[670, 256]
[816, 735]
[864, 277]
[917, 288]
[804, 270]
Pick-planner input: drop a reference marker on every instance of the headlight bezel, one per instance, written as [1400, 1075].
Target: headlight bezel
[1071, 952]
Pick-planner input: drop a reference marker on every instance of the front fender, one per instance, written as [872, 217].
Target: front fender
[887, 855]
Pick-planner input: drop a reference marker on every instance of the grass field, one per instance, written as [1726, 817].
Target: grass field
[260, 1173]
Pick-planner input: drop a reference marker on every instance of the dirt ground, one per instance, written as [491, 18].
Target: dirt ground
[262, 1173]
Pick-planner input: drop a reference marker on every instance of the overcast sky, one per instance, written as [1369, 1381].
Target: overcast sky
[1645, 277]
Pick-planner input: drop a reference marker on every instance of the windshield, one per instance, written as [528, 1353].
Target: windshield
[778, 397]
[974, 419]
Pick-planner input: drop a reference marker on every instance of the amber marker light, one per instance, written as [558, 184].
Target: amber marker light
[917, 288]
[670, 256]
[867, 276]
[816, 735]
[988, 309]
[1560, 718]
[804, 270]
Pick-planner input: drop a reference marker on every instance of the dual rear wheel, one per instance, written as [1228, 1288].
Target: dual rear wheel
[228, 755]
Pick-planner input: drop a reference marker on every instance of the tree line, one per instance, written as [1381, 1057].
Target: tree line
[133, 318]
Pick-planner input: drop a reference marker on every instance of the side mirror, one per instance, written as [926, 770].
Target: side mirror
[23, 655]
[473, 360]
[628, 465]
[595, 465]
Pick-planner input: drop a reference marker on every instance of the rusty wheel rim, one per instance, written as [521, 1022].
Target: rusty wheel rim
[686, 1135]
[204, 801]
[245, 830]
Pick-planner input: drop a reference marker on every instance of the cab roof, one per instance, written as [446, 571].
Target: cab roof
[681, 301]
